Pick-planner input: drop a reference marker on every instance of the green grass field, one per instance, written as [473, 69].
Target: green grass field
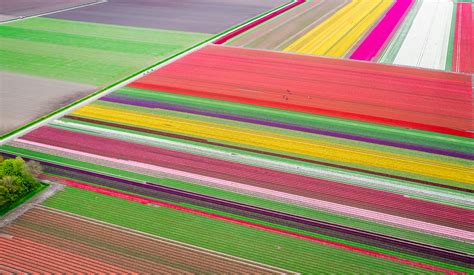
[90, 53]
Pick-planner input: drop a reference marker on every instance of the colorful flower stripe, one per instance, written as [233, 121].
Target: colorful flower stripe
[275, 216]
[147, 201]
[331, 152]
[128, 251]
[337, 35]
[393, 46]
[383, 31]
[396, 237]
[320, 86]
[34, 257]
[406, 32]
[280, 32]
[426, 44]
[300, 135]
[307, 190]
[258, 246]
[463, 56]
[133, 99]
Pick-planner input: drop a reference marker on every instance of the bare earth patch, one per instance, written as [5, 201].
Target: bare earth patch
[25, 98]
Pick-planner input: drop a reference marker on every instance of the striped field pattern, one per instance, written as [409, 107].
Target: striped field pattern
[321, 137]
[262, 245]
[48, 64]
[82, 52]
[299, 153]
[336, 36]
[463, 56]
[434, 34]
[111, 249]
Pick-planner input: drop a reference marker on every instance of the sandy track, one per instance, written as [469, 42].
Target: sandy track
[4, 17]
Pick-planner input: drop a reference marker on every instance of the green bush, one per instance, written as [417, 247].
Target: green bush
[17, 178]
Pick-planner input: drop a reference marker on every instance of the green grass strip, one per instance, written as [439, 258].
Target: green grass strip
[449, 57]
[419, 137]
[238, 154]
[88, 53]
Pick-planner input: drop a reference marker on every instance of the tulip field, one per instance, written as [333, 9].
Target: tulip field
[420, 33]
[320, 137]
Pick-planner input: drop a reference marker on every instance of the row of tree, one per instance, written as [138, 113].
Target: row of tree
[17, 178]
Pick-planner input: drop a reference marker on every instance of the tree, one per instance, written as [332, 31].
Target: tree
[4, 195]
[17, 178]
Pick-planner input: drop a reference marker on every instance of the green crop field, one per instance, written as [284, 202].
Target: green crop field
[91, 53]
